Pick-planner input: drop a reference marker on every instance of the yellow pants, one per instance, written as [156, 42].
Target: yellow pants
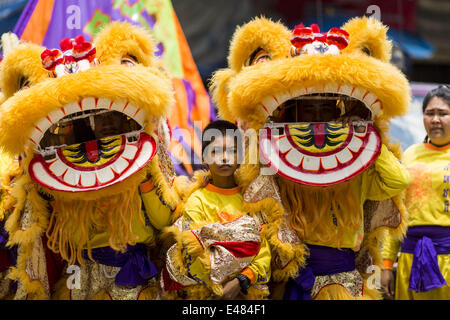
[402, 280]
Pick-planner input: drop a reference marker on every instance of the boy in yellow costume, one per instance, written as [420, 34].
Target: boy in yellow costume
[423, 269]
[219, 251]
[315, 107]
[86, 125]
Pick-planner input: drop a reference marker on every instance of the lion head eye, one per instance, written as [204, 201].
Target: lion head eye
[366, 50]
[129, 60]
[24, 83]
[258, 56]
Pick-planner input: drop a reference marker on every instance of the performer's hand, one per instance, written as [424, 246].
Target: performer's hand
[348, 121]
[231, 289]
[387, 282]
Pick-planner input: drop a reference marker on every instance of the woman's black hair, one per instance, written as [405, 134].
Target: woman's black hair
[442, 92]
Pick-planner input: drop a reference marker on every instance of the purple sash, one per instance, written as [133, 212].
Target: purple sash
[321, 261]
[425, 243]
[12, 251]
[3, 235]
[136, 267]
[4, 238]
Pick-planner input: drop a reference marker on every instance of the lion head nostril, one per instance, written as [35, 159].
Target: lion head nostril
[294, 51]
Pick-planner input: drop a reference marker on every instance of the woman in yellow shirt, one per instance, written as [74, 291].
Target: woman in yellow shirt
[423, 270]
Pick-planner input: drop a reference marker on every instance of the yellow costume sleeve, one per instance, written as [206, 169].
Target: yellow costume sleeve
[390, 250]
[194, 214]
[260, 266]
[387, 178]
[157, 211]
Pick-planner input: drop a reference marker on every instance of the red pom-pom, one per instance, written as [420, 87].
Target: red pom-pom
[302, 36]
[315, 28]
[66, 44]
[299, 26]
[80, 45]
[338, 37]
[50, 58]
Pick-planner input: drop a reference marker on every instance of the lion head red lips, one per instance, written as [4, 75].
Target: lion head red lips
[94, 164]
[100, 112]
[323, 157]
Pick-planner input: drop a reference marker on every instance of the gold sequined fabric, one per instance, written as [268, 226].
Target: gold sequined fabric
[223, 263]
[176, 269]
[165, 163]
[36, 266]
[5, 285]
[243, 229]
[286, 234]
[352, 281]
[26, 218]
[363, 260]
[266, 187]
[381, 213]
[95, 277]
[260, 188]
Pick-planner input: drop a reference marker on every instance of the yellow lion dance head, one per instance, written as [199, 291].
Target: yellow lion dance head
[299, 83]
[87, 125]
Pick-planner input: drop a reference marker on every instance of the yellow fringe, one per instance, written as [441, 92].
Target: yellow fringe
[25, 189]
[169, 194]
[34, 289]
[174, 233]
[296, 254]
[113, 214]
[191, 244]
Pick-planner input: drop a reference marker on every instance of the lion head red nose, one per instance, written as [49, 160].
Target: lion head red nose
[75, 55]
[309, 40]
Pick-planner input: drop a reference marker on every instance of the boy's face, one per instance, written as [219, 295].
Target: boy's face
[221, 156]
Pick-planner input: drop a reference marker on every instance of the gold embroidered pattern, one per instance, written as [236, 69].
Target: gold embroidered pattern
[26, 219]
[352, 281]
[175, 269]
[261, 188]
[36, 266]
[165, 163]
[5, 285]
[363, 260]
[381, 213]
[96, 277]
[224, 265]
[242, 229]
[286, 234]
